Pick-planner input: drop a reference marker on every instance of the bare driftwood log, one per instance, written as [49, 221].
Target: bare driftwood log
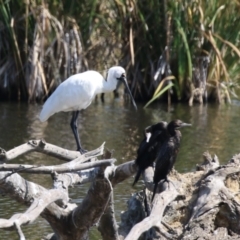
[204, 204]
[68, 221]
[199, 205]
[49, 149]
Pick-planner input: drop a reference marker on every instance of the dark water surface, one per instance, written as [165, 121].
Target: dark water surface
[214, 128]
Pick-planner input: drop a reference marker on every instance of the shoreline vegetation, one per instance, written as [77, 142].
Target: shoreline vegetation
[173, 50]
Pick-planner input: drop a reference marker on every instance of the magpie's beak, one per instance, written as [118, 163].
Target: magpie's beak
[186, 125]
[123, 79]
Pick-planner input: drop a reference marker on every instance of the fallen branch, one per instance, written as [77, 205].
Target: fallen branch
[50, 169]
[92, 207]
[108, 225]
[213, 191]
[38, 205]
[160, 202]
[96, 207]
[48, 149]
[122, 172]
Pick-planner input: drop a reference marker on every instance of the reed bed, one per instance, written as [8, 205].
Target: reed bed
[162, 44]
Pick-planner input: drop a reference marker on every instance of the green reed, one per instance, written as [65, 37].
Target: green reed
[43, 42]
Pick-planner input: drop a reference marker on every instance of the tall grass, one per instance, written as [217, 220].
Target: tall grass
[205, 28]
[158, 42]
[38, 50]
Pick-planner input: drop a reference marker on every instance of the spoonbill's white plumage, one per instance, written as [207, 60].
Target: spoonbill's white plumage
[78, 91]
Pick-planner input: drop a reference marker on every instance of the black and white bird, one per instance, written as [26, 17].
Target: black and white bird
[167, 153]
[154, 136]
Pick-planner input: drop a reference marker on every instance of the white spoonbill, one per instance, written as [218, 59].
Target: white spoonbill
[78, 91]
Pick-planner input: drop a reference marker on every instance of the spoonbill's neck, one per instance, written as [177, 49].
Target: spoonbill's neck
[109, 85]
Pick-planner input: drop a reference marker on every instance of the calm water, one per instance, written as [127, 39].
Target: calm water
[215, 128]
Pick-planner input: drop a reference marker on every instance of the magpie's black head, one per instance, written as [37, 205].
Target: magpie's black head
[176, 124]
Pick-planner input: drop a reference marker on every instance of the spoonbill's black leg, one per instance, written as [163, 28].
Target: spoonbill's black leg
[75, 131]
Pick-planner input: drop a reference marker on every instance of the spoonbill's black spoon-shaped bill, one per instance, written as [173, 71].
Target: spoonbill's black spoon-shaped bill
[78, 91]
[167, 153]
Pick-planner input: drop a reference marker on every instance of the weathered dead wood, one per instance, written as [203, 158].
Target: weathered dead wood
[207, 205]
[160, 202]
[116, 174]
[49, 149]
[26, 192]
[92, 208]
[208, 163]
[122, 172]
[58, 168]
[213, 191]
[216, 205]
[204, 203]
[11, 182]
[103, 210]
[199, 79]
[68, 221]
[18, 188]
[148, 179]
[72, 216]
[107, 225]
[65, 180]
[19, 231]
[38, 205]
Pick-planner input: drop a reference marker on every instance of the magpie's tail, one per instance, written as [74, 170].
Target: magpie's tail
[154, 190]
[137, 177]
